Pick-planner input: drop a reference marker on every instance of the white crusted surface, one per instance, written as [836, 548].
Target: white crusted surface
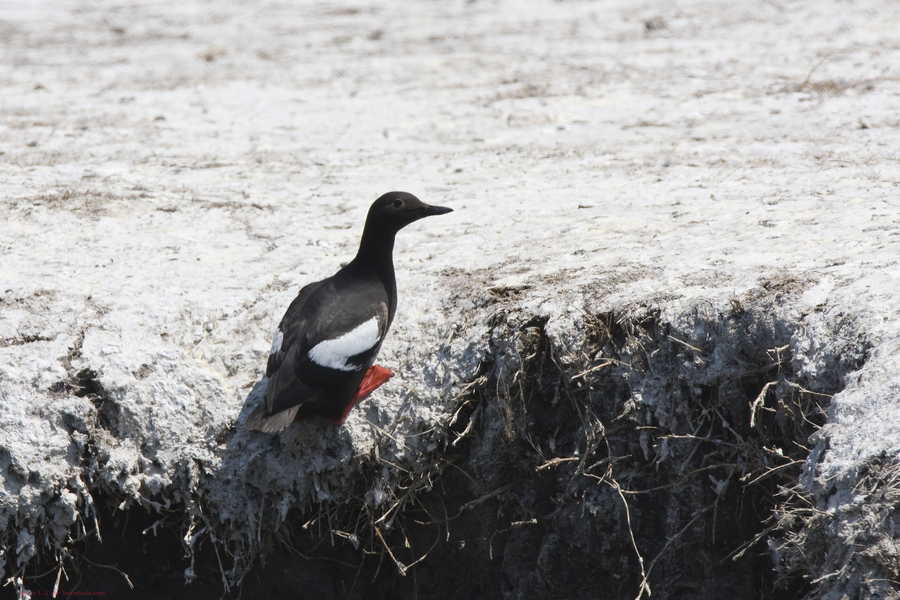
[173, 173]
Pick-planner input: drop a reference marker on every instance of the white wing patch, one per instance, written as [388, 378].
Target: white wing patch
[276, 342]
[335, 353]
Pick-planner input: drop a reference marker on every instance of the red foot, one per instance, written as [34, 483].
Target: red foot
[373, 379]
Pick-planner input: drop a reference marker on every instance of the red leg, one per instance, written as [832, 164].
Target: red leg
[373, 379]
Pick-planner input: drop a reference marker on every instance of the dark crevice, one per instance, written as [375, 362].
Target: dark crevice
[139, 545]
[25, 339]
[85, 383]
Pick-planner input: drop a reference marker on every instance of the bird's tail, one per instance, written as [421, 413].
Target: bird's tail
[267, 423]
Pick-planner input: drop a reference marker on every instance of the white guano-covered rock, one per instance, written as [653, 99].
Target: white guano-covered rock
[172, 173]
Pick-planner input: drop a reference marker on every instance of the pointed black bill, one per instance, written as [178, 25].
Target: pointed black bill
[428, 211]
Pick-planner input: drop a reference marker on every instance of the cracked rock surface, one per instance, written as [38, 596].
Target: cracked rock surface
[670, 283]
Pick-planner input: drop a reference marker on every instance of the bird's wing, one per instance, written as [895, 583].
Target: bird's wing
[324, 339]
[293, 324]
[347, 328]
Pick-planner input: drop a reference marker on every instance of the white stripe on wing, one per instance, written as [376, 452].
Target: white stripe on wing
[335, 353]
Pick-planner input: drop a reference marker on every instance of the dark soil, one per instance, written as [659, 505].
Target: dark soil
[531, 503]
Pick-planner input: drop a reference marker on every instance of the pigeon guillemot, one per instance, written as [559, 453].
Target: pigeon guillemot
[321, 363]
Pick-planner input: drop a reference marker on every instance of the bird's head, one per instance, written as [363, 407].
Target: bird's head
[395, 210]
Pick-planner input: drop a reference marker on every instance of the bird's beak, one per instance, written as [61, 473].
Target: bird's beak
[428, 211]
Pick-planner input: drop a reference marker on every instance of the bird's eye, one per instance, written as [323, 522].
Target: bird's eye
[398, 203]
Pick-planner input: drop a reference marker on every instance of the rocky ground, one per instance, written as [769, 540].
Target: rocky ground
[654, 347]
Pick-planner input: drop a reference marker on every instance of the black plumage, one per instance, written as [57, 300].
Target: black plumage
[325, 347]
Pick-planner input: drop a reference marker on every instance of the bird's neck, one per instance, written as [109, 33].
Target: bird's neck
[376, 252]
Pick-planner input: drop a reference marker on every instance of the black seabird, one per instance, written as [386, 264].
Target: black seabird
[323, 352]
